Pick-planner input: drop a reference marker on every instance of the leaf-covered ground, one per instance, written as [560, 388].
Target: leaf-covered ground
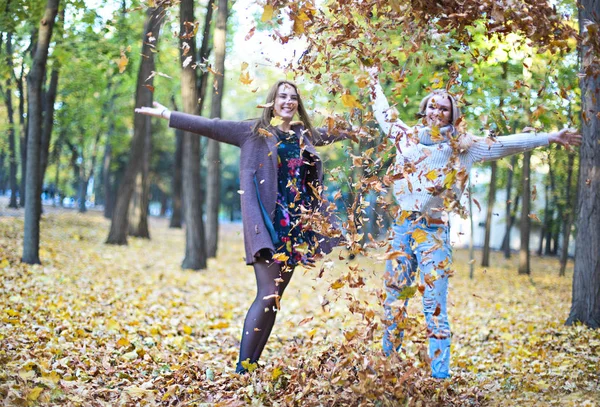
[100, 325]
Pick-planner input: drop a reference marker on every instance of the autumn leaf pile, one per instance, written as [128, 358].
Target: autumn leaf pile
[107, 325]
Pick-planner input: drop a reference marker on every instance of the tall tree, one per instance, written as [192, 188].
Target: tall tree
[50, 99]
[12, 148]
[510, 213]
[141, 123]
[213, 176]
[35, 79]
[195, 241]
[485, 260]
[569, 218]
[585, 306]
[525, 224]
[177, 178]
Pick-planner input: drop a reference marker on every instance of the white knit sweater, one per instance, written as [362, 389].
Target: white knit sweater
[431, 175]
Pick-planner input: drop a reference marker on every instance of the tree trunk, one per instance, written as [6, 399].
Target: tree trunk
[485, 261]
[585, 307]
[31, 235]
[12, 147]
[471, 238]
[203, 54]
[195, 243]
[106, 180]
[177, 177]
[525, 225]
[82, 187]
[135, 206]
[49, 111]
[23, 137]
[564, 255]
[213, 163]
[546, 221]
[509, 213]
[138, 224]
[143, 97]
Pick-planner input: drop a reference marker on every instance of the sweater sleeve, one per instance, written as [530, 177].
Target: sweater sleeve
[226, 131]
[486, 149]
[391, 126]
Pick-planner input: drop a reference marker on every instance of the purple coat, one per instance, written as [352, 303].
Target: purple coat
[258, 160]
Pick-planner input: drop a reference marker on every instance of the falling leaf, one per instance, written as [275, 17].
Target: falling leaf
[245, 78]
[432, 175]
[266, 105]
[419, 236]
[267, 13]
[351, 102]
[122, 62]
[276, 121]
[534, 217]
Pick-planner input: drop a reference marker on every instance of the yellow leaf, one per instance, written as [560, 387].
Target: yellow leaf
[122, 62]
[350, 334]
[276, 373]
[437, 81]
[419, 236]
[449, 180]
[4, 263]
[267, 13]
[246, 364]
[112, 324]
[187, 330]
[351, 102]
[436, 135]
[408, 292]
[35, 393]
[432, 175]
[123, 342]
[337, 284]
[276, 121]
[244, 66]
[219, 325]
[245, 78]
[312, 333]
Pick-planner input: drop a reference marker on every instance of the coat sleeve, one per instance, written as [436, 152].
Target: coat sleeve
[225, 131]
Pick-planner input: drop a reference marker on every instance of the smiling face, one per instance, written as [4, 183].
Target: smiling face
[286, 102]
[439, 111]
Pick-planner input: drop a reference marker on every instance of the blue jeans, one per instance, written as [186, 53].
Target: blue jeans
[427, 248]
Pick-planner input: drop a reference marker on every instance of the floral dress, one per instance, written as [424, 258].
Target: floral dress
[296, 240]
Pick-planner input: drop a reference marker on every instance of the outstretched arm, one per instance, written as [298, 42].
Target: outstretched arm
[488, 150]
[386, 116]
[230, 132]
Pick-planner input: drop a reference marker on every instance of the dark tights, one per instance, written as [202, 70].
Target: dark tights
[270, 281]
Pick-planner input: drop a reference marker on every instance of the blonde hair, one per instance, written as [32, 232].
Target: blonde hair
[264, 121]
[454, 110]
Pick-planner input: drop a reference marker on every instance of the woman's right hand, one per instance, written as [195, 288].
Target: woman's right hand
[157, 111]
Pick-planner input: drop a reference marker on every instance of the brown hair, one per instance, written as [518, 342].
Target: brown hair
[454, 109]
[264, 121]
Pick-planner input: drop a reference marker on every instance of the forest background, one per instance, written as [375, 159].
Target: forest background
[515, 66]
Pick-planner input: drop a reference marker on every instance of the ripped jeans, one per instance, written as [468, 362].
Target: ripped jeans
[426, 247]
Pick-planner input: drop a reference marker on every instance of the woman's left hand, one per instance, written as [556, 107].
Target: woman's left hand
[566, 137]
[157, 111]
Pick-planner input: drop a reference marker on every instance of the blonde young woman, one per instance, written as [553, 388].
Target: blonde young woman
[432, 163]
[280, 174]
